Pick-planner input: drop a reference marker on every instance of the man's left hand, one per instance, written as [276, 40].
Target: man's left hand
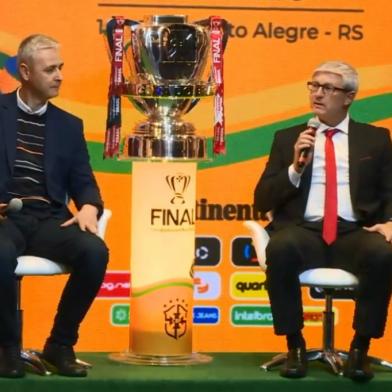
[384, 229]
[86, 218]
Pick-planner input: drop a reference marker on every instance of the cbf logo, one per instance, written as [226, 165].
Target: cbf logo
[178, 184]
[176, 318]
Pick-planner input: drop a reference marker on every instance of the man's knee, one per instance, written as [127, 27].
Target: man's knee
[283, 244]
[377, 255]
[93, 253]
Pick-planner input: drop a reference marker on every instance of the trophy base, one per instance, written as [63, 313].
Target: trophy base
[172, 147]
[131, 358]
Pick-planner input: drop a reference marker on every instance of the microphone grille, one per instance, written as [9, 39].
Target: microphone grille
[15, 205]
[313, 123]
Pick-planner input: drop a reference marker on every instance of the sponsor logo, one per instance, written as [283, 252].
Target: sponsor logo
[230, 212]
[251, 315]
[116, 284]
[250, 285]
[119, 315]
[207, 251]
[243, 253]
[206, 315]
[207, 285]
[175, 313]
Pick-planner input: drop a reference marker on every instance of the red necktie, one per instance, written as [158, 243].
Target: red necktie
[331, 192]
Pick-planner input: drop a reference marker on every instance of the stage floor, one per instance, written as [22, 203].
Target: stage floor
[227, 372]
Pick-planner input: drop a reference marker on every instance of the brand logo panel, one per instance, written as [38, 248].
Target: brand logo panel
[250, 285]
[243, 253]
[119, 315]
[209, 315]
[251, 315]
[207, 285]
[207, 251]
[116, 284]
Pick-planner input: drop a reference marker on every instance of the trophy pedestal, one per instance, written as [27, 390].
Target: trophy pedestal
[169, 147]
[162, 254]
[161, 360]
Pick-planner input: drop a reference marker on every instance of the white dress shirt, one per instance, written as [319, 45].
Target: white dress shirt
[27, 109]
[314, 210]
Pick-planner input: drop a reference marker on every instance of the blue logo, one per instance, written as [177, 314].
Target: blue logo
[206, 315]
[243, 253]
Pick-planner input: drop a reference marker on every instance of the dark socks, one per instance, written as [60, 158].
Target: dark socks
[295, 340]
[360, 342]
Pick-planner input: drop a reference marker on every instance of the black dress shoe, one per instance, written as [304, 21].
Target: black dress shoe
[11, 365]
[61, 360]
[357, 366]
[296, 364]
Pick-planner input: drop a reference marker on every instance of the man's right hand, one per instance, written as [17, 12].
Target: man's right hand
[3, 207]
[306, 139]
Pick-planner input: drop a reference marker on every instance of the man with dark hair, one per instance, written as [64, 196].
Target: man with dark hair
[44, 162]
[329, 188]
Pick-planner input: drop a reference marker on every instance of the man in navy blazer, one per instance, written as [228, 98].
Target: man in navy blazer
[303, 235]
[44, 162]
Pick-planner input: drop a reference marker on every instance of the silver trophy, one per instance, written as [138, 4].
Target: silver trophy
[169, 63]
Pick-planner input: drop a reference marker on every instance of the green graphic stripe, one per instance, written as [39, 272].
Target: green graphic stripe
[162, 286]
[256, 142]
[3, 59]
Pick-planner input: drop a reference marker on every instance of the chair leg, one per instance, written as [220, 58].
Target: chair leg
[380, 362]
[33, 363]
[275, 361]
[85, 364]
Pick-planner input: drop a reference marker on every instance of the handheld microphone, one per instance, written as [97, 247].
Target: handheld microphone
[14, 205]
[313, 124]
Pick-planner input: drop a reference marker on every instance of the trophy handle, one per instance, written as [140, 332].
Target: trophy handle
[225, 27]
[206, 23]
[110, 26]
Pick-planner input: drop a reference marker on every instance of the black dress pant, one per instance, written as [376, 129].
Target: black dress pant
[295, 249]
[84, 252]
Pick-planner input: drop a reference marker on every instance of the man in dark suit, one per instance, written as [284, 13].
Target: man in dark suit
[329, 188]
[44, 162]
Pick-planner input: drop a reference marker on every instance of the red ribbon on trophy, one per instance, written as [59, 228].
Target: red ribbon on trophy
[216, 36]
[115, 31]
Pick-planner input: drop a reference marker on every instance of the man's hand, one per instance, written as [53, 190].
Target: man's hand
[306, 139]
[3, 207]
[86, 218]
[384, 229]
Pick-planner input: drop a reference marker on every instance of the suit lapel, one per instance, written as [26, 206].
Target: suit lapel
[49, 150]
[305, 181]
[8, 127]
[354, 143]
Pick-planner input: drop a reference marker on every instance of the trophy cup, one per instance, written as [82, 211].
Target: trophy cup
[171, 65]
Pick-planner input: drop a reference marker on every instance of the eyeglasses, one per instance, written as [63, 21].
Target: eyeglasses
[326, 89]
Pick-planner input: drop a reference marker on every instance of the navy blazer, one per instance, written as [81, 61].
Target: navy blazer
[68, 173]
[370, 172]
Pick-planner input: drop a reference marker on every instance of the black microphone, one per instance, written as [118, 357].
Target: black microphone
[313, 124]
[14, 205]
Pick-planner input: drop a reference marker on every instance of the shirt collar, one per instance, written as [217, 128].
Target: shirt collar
[342, 126]
[27, 109]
